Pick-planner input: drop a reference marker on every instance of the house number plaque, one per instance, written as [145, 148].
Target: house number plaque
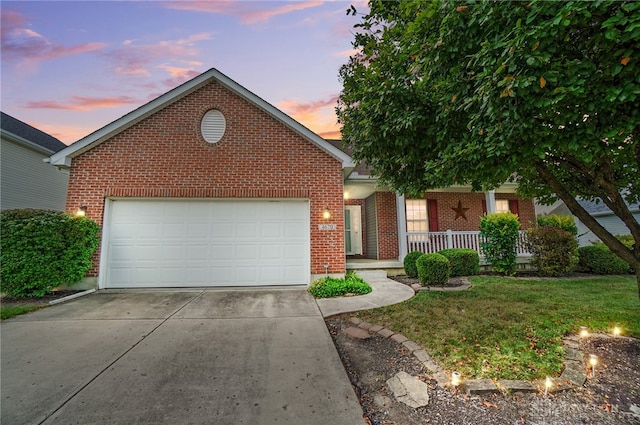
[327, 227]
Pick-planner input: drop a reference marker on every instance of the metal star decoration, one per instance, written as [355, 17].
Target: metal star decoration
[460, 211]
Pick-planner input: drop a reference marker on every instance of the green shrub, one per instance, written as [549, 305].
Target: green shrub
[328, 287]
[555, 251]
[464, 261]
[627, 240]
[598, 259]
[410, 263]
[564, 222]
[499, 234]
[433, 269]
[44, 249]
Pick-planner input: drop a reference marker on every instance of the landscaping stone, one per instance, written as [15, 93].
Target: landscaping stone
[516, 386]
[385, 332]
[481, 387]
[355, 321]
[416, 287]
[574, 374]
[375, 328]
[573, 354]
[409, 390]
[365, 325]
[411, 346]
[399, 338]
[357, 333]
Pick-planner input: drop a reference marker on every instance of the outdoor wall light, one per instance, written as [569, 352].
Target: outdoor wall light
[593, 361]
[584, 332]
[455, 379]
[326, 213]
[616, 331]
[82, 211]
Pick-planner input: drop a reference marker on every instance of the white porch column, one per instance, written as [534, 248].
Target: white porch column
[402, 227]
[490, 197]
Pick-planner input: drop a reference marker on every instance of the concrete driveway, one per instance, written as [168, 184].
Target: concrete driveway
[259, 356]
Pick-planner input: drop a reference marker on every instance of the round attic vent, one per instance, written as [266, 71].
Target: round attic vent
[213, 126]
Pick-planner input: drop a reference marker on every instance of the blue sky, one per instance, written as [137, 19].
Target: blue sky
[71, 67]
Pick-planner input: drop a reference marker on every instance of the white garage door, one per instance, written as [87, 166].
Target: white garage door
[171, 243]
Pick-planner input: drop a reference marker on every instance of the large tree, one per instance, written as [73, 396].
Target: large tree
[483, 92]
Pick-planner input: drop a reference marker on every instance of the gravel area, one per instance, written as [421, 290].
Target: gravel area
[603, 400]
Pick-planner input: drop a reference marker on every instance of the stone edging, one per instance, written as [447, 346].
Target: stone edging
[574, 373]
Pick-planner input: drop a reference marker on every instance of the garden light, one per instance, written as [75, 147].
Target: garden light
[616, 331]
[584, 332]
[455, 379]
[547, 385]
[82, 211]
[593, 360]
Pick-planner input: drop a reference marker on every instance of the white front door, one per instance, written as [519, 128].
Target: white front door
[352, 230]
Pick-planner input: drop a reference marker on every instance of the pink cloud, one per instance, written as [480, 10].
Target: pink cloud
[82, 103]
[134, 59]
[244, 11]
[67, 134]
[318, 115]
[27, 48]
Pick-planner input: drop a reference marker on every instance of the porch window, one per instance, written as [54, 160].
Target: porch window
[502, 205]
[417, 220]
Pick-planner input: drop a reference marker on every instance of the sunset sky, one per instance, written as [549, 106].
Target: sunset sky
[71, 67]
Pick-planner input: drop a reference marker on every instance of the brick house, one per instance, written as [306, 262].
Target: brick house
[209, 185]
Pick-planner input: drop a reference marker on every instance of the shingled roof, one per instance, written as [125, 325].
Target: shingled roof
[24, 131]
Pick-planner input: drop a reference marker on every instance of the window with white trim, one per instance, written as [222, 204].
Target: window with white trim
[417, 220]
[502, 205]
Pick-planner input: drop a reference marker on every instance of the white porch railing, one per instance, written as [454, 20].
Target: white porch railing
[429, 242]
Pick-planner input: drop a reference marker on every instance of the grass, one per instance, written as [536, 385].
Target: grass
[511, 328]
[7, 312]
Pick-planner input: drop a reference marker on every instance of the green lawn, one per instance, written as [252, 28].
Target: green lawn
[511, 328]
[7, 312]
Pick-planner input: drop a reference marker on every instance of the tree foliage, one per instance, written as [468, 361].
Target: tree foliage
[483, 92]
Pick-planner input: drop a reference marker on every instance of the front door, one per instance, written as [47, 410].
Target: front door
[352, 230]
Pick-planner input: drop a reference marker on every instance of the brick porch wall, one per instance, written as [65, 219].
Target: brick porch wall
[473, 201]
[387, 226]
[165, 156]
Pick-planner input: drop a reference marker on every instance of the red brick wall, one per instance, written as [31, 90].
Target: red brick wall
[165, 156]
[387, 226]
[473, 201]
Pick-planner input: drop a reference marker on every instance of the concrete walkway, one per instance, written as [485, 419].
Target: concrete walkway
[385, 292]
[259, 356]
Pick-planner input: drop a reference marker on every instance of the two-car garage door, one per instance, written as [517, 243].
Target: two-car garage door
[178, 243]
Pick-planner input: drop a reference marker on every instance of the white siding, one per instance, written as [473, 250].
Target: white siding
[611, 222]
[28, 182]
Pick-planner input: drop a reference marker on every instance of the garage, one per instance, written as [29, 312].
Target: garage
[195, 243]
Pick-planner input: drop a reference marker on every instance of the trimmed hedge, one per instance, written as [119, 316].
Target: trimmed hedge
[564, 222]
[464, 261]
[555, 251]
[410, 267]
[598, 259]
[43, 249]
[499, 234]
[433, 269]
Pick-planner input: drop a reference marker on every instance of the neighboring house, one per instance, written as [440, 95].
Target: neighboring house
[209, 185]
[26, 180]
[603, 215]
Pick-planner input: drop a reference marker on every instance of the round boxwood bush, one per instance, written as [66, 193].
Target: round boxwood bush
[43, 249]
[598, 259]
[433, 269]
[410, 263]
[464, 261]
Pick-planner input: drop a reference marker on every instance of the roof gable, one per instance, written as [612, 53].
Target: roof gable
[65, 156]
[28, 135]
